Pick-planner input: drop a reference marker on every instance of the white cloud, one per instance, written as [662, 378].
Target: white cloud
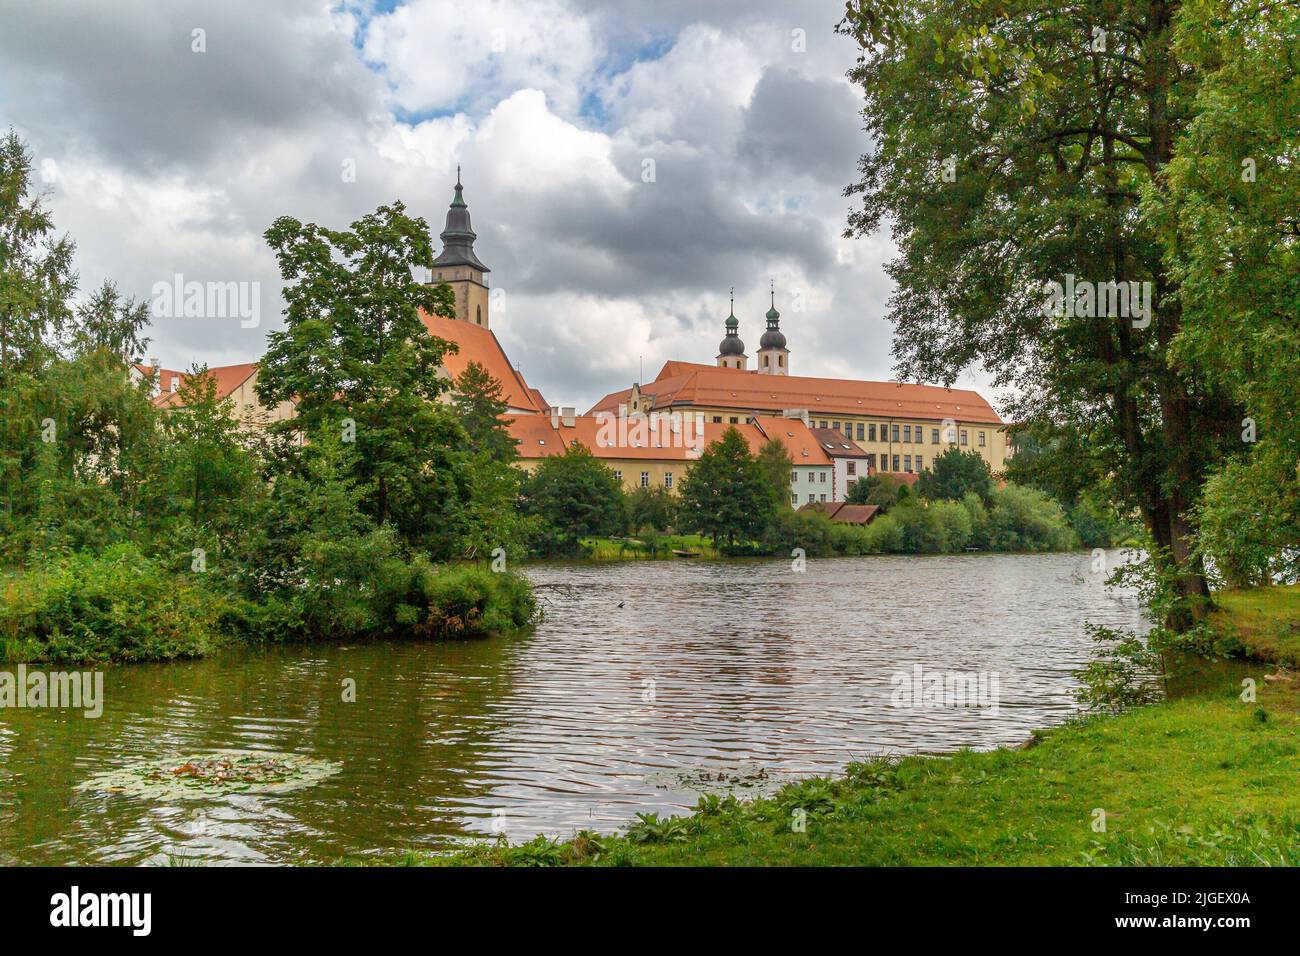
[436, 54]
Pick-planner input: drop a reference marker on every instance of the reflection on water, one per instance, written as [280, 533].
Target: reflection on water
[641, 675]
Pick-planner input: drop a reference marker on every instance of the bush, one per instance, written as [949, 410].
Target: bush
[1026, 519]
[470, 601]
[118, 605]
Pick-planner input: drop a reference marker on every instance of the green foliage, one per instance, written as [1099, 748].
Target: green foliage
[1026, 519]
[651, 508]
[574, 495]
[119, 605]
[477, 399]
[727, 495]
[880, 490]
[471, 601]
[1010, 152]
[954, 474]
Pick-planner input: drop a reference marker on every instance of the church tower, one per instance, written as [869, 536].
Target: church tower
[459, 267]
[731, 351]
[773, 356]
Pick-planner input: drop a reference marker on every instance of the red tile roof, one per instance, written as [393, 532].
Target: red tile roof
[228, 378]
[475, 343]
[837, 444]
[688, 383]
[844, 512]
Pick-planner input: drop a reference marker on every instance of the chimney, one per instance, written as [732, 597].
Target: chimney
[176, 382]
[555, 416]
[567, 415]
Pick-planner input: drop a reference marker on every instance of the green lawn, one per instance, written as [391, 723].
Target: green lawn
[1207, 779]
[1265, 620]
[649, 546]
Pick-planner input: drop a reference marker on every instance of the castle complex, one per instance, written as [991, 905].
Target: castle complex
[836, 430]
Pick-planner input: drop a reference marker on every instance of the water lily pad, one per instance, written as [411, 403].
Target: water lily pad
[215, 773]
[745, 781]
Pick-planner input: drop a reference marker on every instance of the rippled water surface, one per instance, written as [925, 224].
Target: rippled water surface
[644, 678]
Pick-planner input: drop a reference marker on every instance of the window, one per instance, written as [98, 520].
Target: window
[780, 360]
[907, 463]
[618, 476]
[717, 419]
[794, 500]
[907, 434]
[918, 462]
[934, 436]
[822, 477]
[794, 477]
[478, 314]
[871, 463]
[765, 358]
[852, 468]
[963, 436]
[668, 479]
[895, 463]
[645, 479]
[823, 497]
[981, 439]
[823, 423]
[812, 476]
[871, 432]
[893, 433]
[860, 430]
[811, 499]
[835, 425]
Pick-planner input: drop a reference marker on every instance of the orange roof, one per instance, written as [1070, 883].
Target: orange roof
[797, 437]
[837, 444]
[228, 378]
[609, 436]
[475, 343]
[692, 384]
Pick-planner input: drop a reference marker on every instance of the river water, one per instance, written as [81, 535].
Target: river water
[646, 683]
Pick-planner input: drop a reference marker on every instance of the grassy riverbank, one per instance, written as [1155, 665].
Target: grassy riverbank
[1206, 779]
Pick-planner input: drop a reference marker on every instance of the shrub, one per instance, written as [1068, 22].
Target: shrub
[470, 601]
[1026, 519]
[118, 605]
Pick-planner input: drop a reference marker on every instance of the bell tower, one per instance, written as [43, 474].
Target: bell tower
[773, 356]
[731, 350]
[459, 267]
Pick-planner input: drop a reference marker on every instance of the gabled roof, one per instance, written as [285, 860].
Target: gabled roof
[475, 343]
[709, 386]
[228, 378]
[837, 444]
[797, 437]
[843, 512]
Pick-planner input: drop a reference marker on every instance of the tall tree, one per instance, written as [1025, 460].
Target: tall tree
[111, 321]
[1012, 141]
[357, 358]
[36, 278]
[1230, 223]
[954, 474]
[575, 494]
[477, 397]
[775, 465]
[726, 495]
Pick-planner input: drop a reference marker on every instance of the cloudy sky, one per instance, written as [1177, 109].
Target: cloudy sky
[161, 160]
